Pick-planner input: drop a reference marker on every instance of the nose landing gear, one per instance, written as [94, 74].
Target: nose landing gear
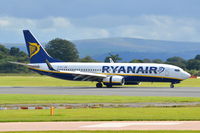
[172, 85]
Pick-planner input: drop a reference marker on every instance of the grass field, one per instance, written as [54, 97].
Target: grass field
[35, 80]
[29, 98]
[102, 114]
[105, 132]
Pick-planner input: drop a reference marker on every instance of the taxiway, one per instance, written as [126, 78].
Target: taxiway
[100, 125]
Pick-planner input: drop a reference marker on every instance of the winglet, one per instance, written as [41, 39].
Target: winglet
[49, 65]
[111, 60]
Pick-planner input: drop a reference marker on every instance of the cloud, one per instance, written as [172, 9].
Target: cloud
[47, 28]
[161, 28]
[102, 26]
[4, 23]
[155, 27]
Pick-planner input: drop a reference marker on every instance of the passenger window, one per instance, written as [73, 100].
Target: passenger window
[177, 70]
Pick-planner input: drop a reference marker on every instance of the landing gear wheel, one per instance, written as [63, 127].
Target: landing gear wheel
[99, 85]
[109, 86]
[171, 85]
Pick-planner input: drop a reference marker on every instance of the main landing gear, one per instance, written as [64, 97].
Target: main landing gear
[99, 85]
[172, 85]
[109, 86]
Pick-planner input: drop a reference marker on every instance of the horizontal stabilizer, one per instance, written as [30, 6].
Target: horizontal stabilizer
[18, 63]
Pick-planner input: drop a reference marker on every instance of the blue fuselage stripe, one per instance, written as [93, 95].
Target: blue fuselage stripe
[128, 78]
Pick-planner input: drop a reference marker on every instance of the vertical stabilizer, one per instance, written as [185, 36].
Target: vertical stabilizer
[36, 52]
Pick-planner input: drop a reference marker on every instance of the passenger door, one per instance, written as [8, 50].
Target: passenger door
[167, 73]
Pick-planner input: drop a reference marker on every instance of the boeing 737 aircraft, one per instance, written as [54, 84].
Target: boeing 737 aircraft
[107, 74]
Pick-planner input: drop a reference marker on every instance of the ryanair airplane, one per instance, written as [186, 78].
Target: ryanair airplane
[107, 74]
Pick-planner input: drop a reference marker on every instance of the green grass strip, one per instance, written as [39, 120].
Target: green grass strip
[30, 98]
[103, 114]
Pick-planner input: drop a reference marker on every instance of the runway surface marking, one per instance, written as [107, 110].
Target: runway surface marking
[130, 124]
[101, 125]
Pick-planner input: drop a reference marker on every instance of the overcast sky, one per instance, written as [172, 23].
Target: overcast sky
[176, 20]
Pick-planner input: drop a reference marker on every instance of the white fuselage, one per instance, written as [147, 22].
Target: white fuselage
[140, 70]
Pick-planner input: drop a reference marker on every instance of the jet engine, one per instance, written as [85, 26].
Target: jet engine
[113, 80]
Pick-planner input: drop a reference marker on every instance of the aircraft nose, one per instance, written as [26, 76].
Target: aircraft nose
[186, 75]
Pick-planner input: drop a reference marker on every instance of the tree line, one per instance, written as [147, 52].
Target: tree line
[66, 51]
[192, 65]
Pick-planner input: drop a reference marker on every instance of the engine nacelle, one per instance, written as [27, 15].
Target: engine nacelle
[114, 80]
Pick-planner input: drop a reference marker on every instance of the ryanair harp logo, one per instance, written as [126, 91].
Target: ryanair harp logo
[34, 48]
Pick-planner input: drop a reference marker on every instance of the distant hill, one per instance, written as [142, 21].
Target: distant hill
[132, 48]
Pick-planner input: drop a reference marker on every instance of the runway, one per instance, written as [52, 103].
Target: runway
[101, 125]
[130, 91]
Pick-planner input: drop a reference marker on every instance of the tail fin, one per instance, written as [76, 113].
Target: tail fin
[36, 52]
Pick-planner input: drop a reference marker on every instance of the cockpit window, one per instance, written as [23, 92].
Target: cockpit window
[177, 70]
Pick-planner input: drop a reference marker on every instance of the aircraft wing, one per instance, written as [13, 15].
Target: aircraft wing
[85, 76]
